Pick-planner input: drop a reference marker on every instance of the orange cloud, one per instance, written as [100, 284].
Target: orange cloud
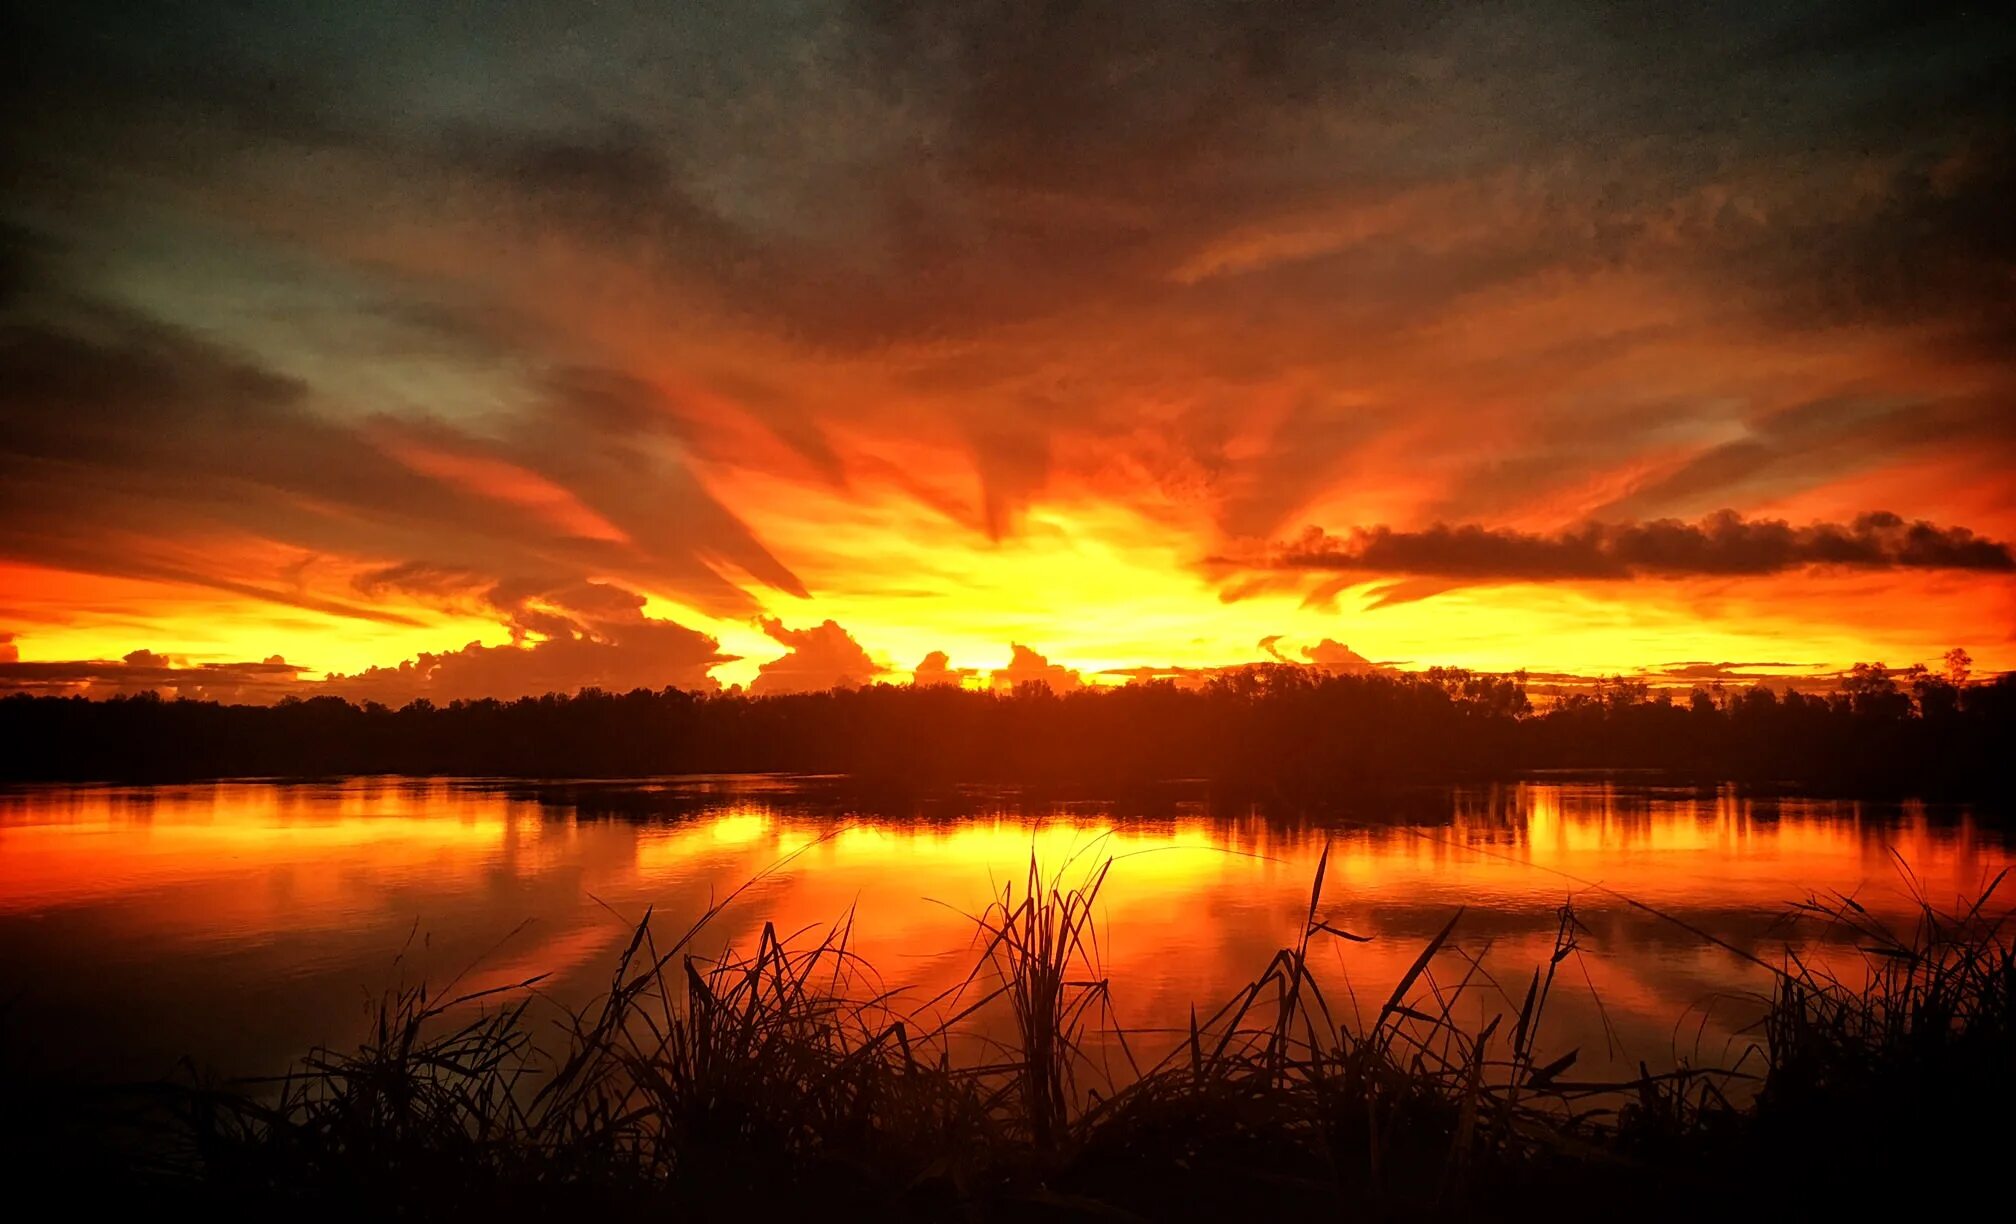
[1025, 666]
[501, 481]
[585, 635]
[936, 668]
[822, 657]
[147, 671]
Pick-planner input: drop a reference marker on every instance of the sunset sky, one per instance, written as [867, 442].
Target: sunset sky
[400, 350]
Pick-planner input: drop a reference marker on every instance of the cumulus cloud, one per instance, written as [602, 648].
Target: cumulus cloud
[1025, 666]
[1333, 656]
[1724, 544]
[936, 668]
[1327, 655]
[822, 657]
[564, 638]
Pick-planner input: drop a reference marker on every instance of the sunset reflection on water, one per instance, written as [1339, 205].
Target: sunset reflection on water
[240, 923]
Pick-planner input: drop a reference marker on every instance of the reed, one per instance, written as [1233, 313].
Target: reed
[785, 1073]
[1905, 1059]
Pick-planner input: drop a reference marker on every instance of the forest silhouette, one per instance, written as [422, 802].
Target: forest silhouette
[1274, 727]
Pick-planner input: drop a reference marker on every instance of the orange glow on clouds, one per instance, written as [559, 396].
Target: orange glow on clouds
[959, 355]
[513, 486]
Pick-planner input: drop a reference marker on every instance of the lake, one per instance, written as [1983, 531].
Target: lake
[239, 923]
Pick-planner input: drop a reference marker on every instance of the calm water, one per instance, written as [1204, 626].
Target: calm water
[239, 923]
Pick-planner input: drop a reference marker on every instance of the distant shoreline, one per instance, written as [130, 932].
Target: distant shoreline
[1267, 731]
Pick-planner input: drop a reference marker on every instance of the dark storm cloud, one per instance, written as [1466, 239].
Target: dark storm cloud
[1722, 545]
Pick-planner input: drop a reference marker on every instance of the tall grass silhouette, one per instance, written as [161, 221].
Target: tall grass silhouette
[787, 1073]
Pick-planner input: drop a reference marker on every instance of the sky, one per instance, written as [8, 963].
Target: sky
[397, 351]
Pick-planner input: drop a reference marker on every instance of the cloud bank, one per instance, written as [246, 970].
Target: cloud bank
[146, 671]
[564, 638]
[1722, 545]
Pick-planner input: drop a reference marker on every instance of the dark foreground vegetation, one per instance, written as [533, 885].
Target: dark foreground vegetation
[784, 1079]
[1276, 727]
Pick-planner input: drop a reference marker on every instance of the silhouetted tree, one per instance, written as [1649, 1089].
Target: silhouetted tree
[1272, 726]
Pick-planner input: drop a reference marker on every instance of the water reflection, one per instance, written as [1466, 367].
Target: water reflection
[241, 922]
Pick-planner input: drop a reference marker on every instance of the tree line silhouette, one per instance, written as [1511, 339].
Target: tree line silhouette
[1268, 726]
